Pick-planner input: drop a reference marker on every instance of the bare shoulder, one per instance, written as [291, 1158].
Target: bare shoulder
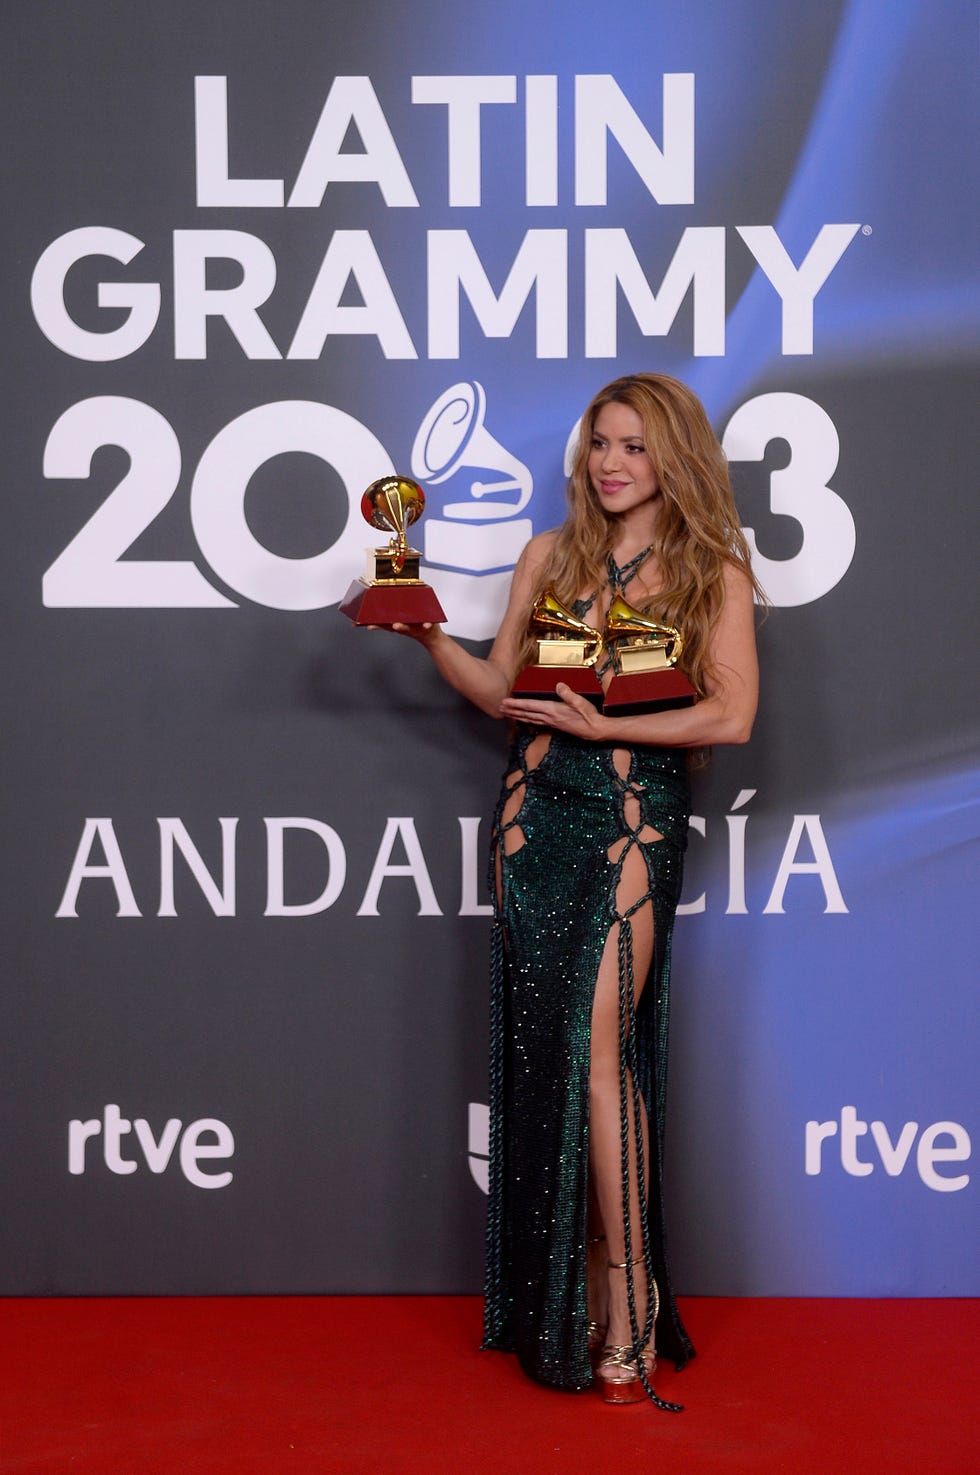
[534, 556]
[738, 585]
[526, 575]
[539, 549]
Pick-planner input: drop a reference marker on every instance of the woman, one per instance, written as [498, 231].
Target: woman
[587, 856]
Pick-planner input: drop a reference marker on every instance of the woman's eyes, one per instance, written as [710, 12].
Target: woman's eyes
[600, 445]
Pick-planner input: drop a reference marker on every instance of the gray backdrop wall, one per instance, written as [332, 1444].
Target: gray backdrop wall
[257, 256]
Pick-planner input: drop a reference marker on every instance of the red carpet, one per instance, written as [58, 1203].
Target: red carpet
[395, 1386]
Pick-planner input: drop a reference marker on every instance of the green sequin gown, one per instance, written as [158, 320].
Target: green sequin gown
[557, 905]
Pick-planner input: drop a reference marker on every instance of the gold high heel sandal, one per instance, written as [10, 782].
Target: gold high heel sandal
[626, 1386]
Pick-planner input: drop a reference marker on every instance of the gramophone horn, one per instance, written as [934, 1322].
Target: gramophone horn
[452, 436]
[548, 613]
[623, 621]
[392, 504]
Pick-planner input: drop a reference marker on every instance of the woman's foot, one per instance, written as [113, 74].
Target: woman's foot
[617, 1374]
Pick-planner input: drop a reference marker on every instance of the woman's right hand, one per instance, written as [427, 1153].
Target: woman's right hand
[424, 633]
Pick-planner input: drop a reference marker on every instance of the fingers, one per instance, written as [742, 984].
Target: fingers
[572, 699]
[571, 713]
[539, 714]
[568, 709]
[576, 707]
[415, 632]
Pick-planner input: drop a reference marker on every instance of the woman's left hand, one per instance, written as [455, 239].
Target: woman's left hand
[571, 713]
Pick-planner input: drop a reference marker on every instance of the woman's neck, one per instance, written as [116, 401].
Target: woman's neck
[636, 530]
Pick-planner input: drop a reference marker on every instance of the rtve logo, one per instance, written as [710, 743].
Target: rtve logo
[156, 1153]
[893, 1156]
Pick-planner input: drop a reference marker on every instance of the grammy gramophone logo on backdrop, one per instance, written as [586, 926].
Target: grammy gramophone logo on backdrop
[474, 543]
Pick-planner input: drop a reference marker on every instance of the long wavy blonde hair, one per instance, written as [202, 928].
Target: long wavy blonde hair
[698, 532]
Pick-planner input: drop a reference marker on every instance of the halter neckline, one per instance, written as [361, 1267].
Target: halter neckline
[619, 577]
[621, 574]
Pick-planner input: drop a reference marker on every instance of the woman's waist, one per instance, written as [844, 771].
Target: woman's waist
[576, 771]
[563, 747]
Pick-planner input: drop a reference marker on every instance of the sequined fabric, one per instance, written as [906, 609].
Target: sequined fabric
[558, 894]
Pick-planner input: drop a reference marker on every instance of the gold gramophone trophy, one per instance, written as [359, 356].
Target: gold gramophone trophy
[392, 593]
[645, 654]
[568, 649]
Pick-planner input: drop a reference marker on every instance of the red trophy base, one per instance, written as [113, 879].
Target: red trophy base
[392, 604]
[648, 691]
[539, 682]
